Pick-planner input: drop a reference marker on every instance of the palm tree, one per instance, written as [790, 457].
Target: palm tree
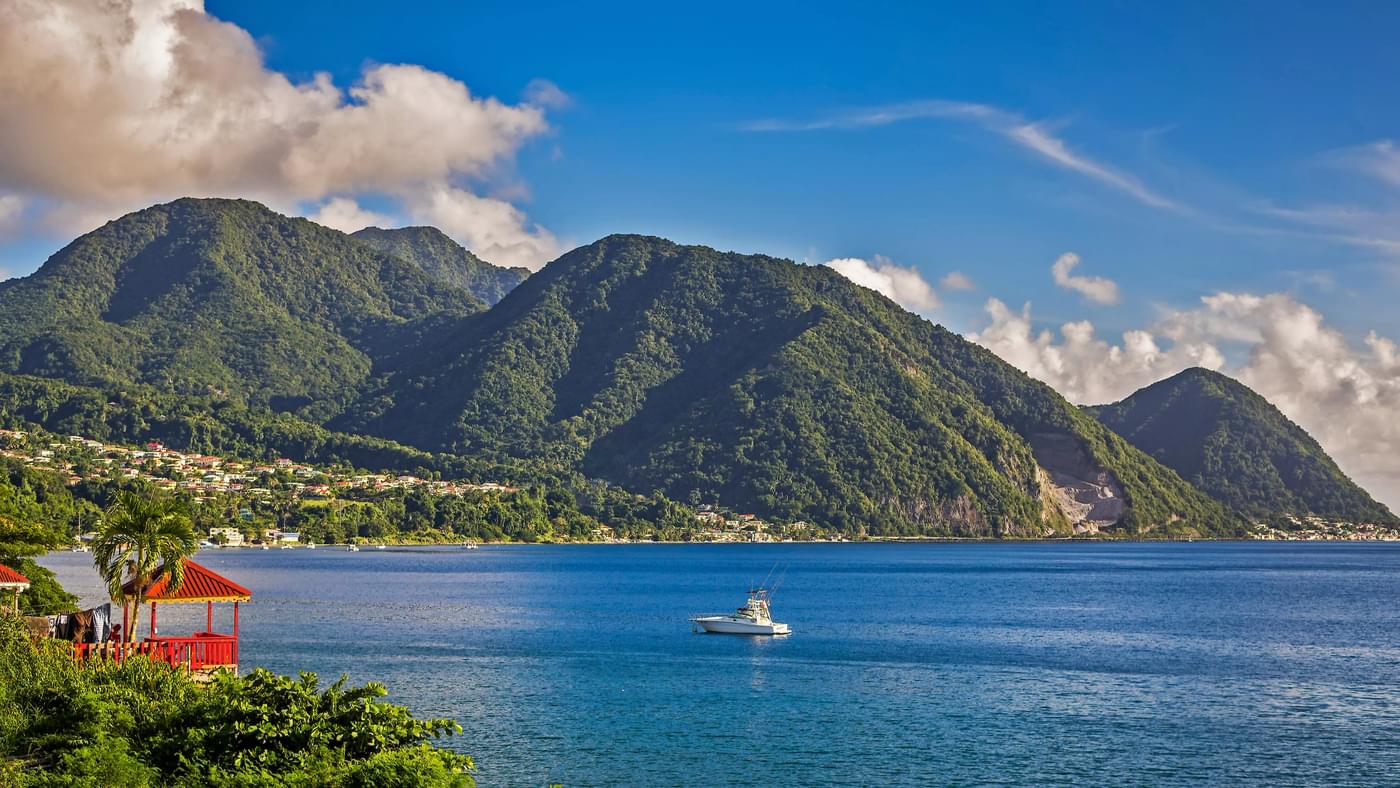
[138, 534]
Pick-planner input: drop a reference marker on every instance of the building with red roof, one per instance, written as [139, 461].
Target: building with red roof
[10, 580]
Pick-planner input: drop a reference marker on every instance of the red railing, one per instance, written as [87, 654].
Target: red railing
[203, 649]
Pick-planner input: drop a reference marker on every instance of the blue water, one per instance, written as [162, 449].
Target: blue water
[1221, 663]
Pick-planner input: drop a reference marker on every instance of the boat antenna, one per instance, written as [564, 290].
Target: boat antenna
[769, 576]
[781, 578]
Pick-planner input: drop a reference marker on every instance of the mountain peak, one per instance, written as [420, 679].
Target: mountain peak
[203, 295]
[439, 256]
[1233, 443]
[772, 387]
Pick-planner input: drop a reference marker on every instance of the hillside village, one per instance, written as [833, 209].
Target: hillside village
[202, 475]
[205, 478]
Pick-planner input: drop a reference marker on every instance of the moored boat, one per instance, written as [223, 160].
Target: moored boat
[754, 618]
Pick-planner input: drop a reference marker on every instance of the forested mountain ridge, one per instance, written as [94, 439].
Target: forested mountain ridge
[445, 260]
[757, 382]
[1233, 444]
[221, 296]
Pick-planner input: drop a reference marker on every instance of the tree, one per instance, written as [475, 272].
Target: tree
[138, 534]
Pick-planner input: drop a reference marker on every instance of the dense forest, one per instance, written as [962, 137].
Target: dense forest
[221, 297]
[762, 384]
[444, 260]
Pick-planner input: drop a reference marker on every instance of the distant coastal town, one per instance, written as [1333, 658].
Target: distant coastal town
[270, 485]
[279, 485]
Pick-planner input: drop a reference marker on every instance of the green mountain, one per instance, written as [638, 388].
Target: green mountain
[766, 385]
[221, 297]
[445, 260]
[1231, 443]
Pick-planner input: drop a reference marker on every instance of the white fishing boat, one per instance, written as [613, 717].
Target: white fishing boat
[354, 548]
[754, 618]
[471, 545]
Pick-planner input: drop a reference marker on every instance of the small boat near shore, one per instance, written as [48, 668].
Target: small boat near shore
[754, 618]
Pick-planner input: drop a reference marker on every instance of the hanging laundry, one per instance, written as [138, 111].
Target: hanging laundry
[81, 628]
[101, 623]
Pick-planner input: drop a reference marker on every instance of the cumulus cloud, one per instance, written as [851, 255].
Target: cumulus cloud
[957, 280]
[493, 229]
[346, 215]
[1080, 365]
[905, 286]
[105, 107]
[1095, 288]
[1346, 397]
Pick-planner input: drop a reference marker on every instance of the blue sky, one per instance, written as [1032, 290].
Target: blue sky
[1227, 108]
[1220, 106]
[1217, 181]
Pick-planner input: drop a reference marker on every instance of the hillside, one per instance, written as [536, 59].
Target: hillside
[786, 389]
[221, 297]
[444, 260]
[1233, 444]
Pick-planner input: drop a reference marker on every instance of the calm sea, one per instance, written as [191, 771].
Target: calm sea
[1221, 663]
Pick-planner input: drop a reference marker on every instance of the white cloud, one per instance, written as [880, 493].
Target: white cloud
[957, 280]
[1031, 136]
[1083, 367]
[1095, 288]
[495, 230]
[905, 286]
[543, 93]
[1379, 159]
[1347, 398]
[105, 107]
[346, 215]
[1035, 137]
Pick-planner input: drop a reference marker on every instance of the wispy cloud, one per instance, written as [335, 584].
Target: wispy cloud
[1032, 136]
[1343, 224]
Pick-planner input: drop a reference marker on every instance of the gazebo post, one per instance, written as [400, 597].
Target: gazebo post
[126, 622]
[202, 649]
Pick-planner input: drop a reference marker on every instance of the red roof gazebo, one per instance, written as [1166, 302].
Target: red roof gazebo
[203, 650]
[10, 580]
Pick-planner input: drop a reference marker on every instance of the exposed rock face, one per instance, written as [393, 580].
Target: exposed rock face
[1090, 497]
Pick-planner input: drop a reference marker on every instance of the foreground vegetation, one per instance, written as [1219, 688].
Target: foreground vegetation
[140, 723]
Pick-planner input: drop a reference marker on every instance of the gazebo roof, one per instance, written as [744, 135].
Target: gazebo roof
[201, 584]
[9, 578]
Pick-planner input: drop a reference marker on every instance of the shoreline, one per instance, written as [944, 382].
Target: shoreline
[868, 541]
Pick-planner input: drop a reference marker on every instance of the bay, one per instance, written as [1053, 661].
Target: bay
[910, 664]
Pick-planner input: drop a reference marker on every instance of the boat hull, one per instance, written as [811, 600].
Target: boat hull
[724, 625]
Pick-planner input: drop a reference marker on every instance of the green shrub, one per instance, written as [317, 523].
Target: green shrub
[141, 723]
